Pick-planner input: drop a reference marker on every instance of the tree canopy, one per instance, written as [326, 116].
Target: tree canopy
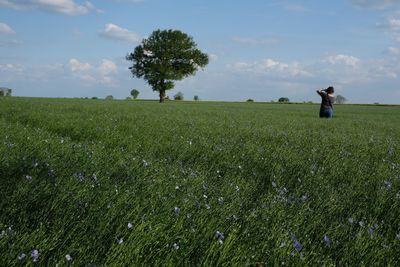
[339, 99]
[164, 57]
[135, 93]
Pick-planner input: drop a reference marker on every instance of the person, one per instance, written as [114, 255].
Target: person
[327, 99]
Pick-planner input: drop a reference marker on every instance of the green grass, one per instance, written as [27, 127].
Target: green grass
[75, 173]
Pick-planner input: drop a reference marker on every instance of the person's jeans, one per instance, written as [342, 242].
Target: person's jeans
[326, 113]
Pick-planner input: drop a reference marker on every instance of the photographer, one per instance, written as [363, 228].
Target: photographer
[327, 99]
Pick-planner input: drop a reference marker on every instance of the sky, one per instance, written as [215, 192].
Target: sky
[258, 49]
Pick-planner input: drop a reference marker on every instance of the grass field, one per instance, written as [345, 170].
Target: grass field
[137, 183]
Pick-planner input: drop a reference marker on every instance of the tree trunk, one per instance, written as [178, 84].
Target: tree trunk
[162, 96]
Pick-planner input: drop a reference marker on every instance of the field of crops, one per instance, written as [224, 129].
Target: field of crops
[128, 183]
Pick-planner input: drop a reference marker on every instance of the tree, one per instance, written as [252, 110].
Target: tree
[135, 93]
[1, 93]
[178, 96]
[166, 56]
[283, 100]
[340, 99]
[250, 100]
[109, 97]
[196, 98]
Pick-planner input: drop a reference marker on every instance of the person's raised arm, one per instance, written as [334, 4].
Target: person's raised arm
[320, 92]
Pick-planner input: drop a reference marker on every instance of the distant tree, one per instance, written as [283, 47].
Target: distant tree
[283, 100]
[164, 57]
[1, 93]
[95, 97]
[178, 96]
[9, 92]
[109, 97]
[196, 98]
[376, 103]
[135, 93]
[249, 100]
[340, 99]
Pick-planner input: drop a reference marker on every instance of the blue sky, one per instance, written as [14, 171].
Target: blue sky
[258, 49]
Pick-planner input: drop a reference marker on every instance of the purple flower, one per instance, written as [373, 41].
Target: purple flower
[35, 255]
[176, 246]
[297, 246]
[398, 236]
[130, 226]
[327, 241]
[68, 257]
[371, 230]
[177, 210]
[220, 236]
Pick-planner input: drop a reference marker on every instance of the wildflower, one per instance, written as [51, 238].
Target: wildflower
[297, 246]
[327, 241]
[282, 244]
[21, 256]
[220, 237]
[130, 226]
[205, 186]
[208, 206]
[205, 196]
[387, 184]
[351, 220]
[177, 210]
[177, 187]
[80, 176]
[220, 200]
[274, 185]
[35, 255]
[3, 233]
[371, 230]
[28, 177]
[68, 257]
[361, 223]
[398, 236]
[237, 188]
[176, 246]
[120, 241]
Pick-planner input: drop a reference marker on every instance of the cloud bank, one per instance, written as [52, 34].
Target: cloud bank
[66, 7]
[115, 32]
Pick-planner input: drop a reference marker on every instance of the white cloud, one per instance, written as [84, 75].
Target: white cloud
[5, 29]
[378, 4]
[112, 31]
[66, 7]
[77, 66]
[392, 51]
[394, 24]
[107, 67]
[343, 59]
[270, 66]
[10, 68]
[91, 73]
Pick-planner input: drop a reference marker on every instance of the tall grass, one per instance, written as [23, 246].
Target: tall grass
[118, 183]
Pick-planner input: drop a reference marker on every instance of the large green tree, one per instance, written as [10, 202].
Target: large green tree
[166, 56]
